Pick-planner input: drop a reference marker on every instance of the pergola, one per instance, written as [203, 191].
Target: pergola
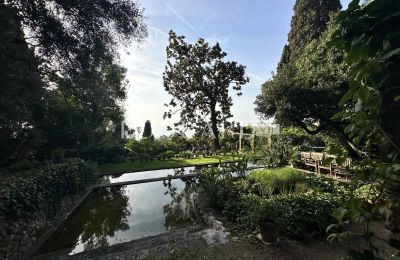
[263, 130]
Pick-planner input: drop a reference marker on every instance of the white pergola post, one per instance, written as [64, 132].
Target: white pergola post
[122, 130]
[240, 139]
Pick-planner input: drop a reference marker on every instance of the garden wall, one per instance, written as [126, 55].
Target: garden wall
[30, 206]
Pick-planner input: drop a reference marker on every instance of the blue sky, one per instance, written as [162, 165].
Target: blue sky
[252, 32]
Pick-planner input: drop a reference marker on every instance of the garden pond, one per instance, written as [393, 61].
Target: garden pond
[119, 214]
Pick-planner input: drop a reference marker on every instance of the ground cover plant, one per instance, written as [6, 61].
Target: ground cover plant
[30, 203]
[44, 188]
[276, 181]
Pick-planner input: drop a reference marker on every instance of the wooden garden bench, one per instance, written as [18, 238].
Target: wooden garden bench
[316, 160]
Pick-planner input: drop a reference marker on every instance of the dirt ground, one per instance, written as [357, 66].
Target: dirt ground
[189, 244]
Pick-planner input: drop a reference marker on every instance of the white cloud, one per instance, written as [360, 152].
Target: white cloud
[146, 94]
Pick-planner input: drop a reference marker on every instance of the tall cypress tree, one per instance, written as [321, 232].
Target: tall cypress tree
[308, 23]
[147, 130]
[21, 90]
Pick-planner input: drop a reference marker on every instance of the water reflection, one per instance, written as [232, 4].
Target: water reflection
[123, 213]
[180, 210]
[108, 217]
[101, 215]
[131, 176]
[150, 174]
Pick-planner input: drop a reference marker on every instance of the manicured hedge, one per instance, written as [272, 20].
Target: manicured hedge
[304, 215]
[44, 188]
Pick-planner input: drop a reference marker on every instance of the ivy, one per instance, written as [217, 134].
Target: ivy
[44, 188]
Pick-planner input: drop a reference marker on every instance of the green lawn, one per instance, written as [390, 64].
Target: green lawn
[157, 165]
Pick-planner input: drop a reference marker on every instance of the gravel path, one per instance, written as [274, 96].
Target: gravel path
[190, 244]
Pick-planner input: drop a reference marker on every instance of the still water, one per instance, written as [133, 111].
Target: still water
[118, 214]
[132, 176]
[123, 213]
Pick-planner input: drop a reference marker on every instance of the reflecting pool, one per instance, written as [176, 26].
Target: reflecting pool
[118, 214]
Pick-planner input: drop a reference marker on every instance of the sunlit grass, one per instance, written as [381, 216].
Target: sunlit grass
[157, 165]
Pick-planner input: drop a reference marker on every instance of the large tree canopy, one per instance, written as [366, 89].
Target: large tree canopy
[61, 82]
[311, 77]
[70, 35]
[306, 93]
[199, 81]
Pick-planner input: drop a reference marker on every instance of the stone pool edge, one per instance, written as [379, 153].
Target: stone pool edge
[36, 246]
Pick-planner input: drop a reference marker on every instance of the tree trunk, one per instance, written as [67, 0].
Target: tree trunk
[214, 128]
[392, 189]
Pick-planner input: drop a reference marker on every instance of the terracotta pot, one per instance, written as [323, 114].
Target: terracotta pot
[269, 232]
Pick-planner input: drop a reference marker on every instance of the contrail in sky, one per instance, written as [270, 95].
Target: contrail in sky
[180, 16]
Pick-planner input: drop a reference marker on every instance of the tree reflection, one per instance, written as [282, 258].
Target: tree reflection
[100, 216]
[180, 211]
[107, 215]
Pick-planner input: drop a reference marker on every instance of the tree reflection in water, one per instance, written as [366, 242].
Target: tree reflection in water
[122, 213]
[107, 217]
[99, 217]
[180, 211]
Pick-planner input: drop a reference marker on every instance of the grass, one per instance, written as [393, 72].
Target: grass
[277, 180]
[157, 165]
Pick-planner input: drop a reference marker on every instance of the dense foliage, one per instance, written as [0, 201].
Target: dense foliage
[69, 36]
[158, 148]
[306, 93]
[308, 23]
[44, 188]
[21, 88]
[369, 36]
[199, 81]
[61, 79]
[305, 215]
[301, 204]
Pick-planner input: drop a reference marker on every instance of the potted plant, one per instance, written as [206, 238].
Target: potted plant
[268, 225]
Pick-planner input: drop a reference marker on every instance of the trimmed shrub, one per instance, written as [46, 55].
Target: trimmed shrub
[169, 154]
[118, 160]
[326, 184]
[243, 211]
[186, 154]
[143, 157]
[106, 153]
[305, 215]
[276, 181]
